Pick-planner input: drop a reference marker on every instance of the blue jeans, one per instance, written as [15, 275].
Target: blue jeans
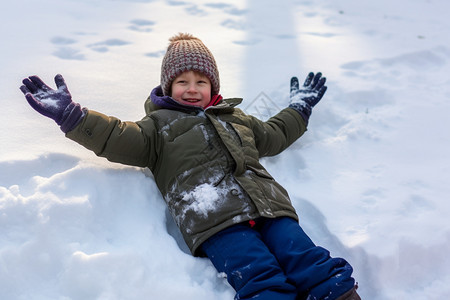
[277, 260]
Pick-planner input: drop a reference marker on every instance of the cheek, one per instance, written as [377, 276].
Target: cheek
[206, 94]
[176, 93]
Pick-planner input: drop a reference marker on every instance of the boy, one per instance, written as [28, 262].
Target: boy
[204, 154]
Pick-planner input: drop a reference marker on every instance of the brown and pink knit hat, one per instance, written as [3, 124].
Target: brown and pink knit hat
[188, 53]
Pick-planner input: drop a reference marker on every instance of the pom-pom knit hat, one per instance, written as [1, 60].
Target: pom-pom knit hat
[188, 53]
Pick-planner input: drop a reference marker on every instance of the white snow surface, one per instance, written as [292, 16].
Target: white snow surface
[370, 178]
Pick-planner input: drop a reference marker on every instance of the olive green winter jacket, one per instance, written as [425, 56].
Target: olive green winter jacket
[205, 162]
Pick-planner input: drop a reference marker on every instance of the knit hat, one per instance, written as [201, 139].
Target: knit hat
[188, 53]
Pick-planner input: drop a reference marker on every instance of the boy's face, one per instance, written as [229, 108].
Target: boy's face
[192, 88]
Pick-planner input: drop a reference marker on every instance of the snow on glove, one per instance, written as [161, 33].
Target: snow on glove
[55, 104]
[303, 100]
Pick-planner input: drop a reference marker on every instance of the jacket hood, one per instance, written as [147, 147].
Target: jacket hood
[158, 100]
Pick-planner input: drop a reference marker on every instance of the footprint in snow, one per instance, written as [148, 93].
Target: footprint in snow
[156, 54]
[177, 3]
[285, 36]
[69, 53]
[104, 45]
[227, 8]
[248, 42]
[322, 34]
[233, 11]
[141, 25]
[60, 40]
[190, 8]
[64, 51]
[234, 24]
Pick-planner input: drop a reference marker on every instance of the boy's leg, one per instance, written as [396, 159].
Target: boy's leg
[310, 267]
[251, 269]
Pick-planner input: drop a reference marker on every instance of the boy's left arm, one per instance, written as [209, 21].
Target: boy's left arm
[283, 129]
[305, 98]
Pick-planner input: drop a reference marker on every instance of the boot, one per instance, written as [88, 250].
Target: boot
[350, 295]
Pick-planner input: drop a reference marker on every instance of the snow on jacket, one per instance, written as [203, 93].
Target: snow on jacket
[205, 162]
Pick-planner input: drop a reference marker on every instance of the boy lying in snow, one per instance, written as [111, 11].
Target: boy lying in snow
[204, 154]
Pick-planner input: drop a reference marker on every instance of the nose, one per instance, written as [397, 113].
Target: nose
[192, 88]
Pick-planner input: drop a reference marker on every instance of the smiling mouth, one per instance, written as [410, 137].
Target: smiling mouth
[191, 100]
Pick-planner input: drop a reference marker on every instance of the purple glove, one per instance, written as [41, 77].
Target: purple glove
[55, 104]
[303, 100]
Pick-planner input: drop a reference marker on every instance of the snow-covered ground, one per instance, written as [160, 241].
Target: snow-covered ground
[370, 178]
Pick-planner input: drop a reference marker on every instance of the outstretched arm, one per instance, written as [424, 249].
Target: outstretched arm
[122, 142]
[55, 104]
[280, 131]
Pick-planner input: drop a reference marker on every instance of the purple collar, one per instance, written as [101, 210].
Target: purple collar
[168, 102]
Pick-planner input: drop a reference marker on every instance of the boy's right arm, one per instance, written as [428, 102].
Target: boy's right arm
[123, 142]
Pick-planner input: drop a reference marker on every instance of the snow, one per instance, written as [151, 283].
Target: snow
[369, 178]
[207, 196]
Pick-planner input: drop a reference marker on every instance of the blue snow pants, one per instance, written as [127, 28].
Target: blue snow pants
[277, 260]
